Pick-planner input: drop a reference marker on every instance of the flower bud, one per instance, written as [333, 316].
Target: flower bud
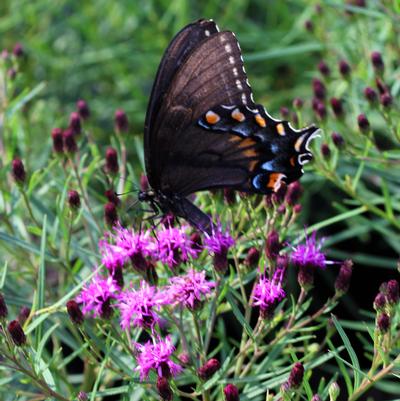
[164, 389]
[386, 100]
[337, 107]
[110, 214]
[305, 276]
[112, 161]
[106, 309]
[342, 282]
[337, 139]
[74, 200]
[69, 141]
[57, 137]
[379, 301]
[231, 393]
[382, 87]
[83, 109]
[377, 62]
[112, 197]
[272, 246]
[383, 322]
[144, 182]
[82, 396]
[363, 122]
[309, 25]
[334, 391]
[3, 307]
[325, 151]
[18, 50]
[297, 208]
[252, 257]
[121, 121]
[23, 314]
[18, 171]
[75, 123]
[284, 112]
[319, 89]
[17, 333]
[324, 69]
[293, 194]
[298, 103]
[320, 110]
[220, 261]
[208, 369]
[118, 276]
[316, 397]
[370, 94]
[344, 68]
[74, 312]
[296, 376]
[11, 73]
[392, 292]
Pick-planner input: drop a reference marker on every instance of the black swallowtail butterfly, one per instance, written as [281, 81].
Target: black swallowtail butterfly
[204, 131]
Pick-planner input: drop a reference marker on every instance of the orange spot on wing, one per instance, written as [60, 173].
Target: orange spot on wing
[237, 115]
[260, 120]
[280, 129]
[212, 118]
[275, 181]
[292, 161]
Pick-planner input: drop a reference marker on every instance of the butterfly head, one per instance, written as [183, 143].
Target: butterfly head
[147, 196]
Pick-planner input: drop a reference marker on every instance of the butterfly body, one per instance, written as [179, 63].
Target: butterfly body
[204, 131]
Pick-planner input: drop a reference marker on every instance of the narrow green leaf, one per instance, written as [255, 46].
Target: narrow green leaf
[3, 274]
[238, 314]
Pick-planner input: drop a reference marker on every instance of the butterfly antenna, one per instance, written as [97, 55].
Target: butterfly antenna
[135, 187]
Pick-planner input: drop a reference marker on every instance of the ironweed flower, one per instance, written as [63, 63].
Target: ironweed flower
[144, 182]
[97, 295]
[325, 151]
[17, 333]
[231, 392]
[121, 121]
[23, 315]
[284, 112]
[57, 138]
[298, 103]
[18, 171]
[3, 307]
[370, 94]
[293, 194]
[379, 301]
[342, 282]
[75, 123]
[383, 322]
[323, 68]
[112, 197]
[337, 107]
[137, 307]
[74, 312]
[208, 369]
[157, 356]
[112, 161]
[308, 24]
[319, 89]
[83, 109]
[175, 246]
[219, 243]
[392, 292]
[18, 50]
[316, 397]
[377, 61]
[386, 100]
[70, 145]
[337, 139]
[110, 214]
[296, 376]
[252, 257]
[74, 200]
[267, 293]
[189, 289]
[164, 389]
[272, 245]
[344, 68]
[363, 122]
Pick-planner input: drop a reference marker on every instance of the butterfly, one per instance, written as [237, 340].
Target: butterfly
[204, 131]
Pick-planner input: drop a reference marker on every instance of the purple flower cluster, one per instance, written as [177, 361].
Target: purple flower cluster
[309, 254]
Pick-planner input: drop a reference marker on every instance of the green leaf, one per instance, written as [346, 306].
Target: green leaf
[238, 314]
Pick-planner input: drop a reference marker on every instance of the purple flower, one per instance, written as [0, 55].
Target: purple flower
[137, 306]
[96, 296]
[156, 356]
[309, 254]
[175, 246]
[269, 292]
[189, 289]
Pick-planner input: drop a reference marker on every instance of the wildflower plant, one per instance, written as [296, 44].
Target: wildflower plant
[99, 299]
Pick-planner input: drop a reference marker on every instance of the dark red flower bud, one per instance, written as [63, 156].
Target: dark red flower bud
[144, 182]
[377, 62]
[69, 141]
[309, 25]
[382, 87]
[337, 139]
[252, 257]
[164, 389]
[220, 261]
[83, 109]
[297, 208]
[370, 94]
[74, 199]
[17, 333]
[319, 89]
[337, 107]
[196, 240]
[121, 121]
[324, 69]
[386, 100]
[106, 309]
[379, 301]
[57, 137]
[342, 282]
[184, 358]
[3, 307]
[139, 261]
[112, 197]
[231, 392]
[363, 122]
[305, 276]
[118, 276]
[298, 103]
[392, 292]
[112, 161]
[75, 123]
[18, 50]
[74, 312]
[296, 375]
[383, 322]
[82, 396]
[229, 196]
[316, 397]
[344, 68]
[11, 73]
[18, 170]
[208, 369]
[320, 110]
[294, 119]
[281, 209]
[293, 194]
[284, 112]
[272, 246]
[110, 214]
[325, 151]
[23, 314]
